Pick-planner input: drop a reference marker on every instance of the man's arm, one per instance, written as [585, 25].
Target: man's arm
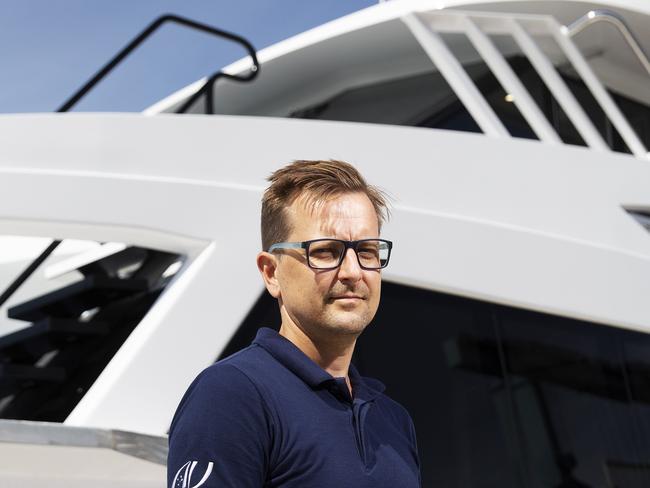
[221, 433]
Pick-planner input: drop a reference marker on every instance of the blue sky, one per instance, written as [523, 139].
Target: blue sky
[49, 48]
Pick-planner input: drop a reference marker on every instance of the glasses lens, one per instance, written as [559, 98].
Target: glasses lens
[373, 253]
[325, 254]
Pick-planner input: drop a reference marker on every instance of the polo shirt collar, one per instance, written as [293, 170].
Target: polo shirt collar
[289, 355]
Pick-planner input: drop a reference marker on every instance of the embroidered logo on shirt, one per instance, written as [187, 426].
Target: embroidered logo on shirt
[183, 478]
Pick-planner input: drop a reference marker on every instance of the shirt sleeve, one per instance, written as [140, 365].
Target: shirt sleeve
[221, 433]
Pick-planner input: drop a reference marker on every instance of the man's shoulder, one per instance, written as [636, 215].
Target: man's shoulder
[237, 369]
[225, 385]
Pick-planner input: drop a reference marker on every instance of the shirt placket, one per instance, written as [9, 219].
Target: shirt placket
[356, 408]
[356, 417]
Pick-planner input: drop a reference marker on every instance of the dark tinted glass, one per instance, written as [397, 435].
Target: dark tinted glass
[635, 471]
[570, 396]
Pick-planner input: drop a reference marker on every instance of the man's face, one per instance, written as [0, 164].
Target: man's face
[325, 302]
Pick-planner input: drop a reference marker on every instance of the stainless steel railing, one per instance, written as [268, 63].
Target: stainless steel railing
[610, 17]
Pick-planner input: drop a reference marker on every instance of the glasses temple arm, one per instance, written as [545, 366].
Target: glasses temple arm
[286, 245]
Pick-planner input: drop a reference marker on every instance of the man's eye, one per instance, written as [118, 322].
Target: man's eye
[325, 251]
[369, 252]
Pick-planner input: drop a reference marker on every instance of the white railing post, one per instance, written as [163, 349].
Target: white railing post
[558, 88]
[598, 91]
[511, 83]
[456, 76]
[426, 26]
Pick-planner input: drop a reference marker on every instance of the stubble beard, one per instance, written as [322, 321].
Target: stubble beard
[337, 320]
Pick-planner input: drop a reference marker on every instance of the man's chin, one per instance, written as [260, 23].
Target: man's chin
[347, 322]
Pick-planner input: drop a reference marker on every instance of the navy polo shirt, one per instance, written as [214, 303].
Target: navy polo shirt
[269, 416]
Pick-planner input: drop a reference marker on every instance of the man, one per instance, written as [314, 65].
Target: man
[291, 410]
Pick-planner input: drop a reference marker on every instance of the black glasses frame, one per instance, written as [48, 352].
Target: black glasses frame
[348, 245]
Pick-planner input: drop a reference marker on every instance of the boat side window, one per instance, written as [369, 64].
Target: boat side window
[61, 326]
[576, 393]
[425, 100]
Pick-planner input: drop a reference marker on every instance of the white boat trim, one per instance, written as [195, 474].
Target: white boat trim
[148, 447]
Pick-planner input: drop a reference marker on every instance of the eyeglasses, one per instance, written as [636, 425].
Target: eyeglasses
[329, 253]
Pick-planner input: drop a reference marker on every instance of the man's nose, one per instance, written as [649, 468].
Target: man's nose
[350, 269]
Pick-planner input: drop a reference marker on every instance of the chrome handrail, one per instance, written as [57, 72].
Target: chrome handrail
[604, 15]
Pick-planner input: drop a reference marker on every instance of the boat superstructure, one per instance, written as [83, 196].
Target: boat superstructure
[513, 137]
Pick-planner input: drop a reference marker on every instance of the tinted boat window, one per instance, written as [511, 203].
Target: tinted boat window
[635, 350]
[422, 100]
[570, 397]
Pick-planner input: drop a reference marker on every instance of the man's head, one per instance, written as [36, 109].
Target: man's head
[311, 200]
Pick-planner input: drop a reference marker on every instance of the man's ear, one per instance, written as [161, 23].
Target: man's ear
[267, 263]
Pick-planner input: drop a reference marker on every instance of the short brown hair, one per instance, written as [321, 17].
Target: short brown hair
[317, 180]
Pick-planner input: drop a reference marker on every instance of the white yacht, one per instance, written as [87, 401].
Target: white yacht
[513, 137]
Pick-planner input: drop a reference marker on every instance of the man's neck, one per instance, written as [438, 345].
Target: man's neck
[333, 354]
